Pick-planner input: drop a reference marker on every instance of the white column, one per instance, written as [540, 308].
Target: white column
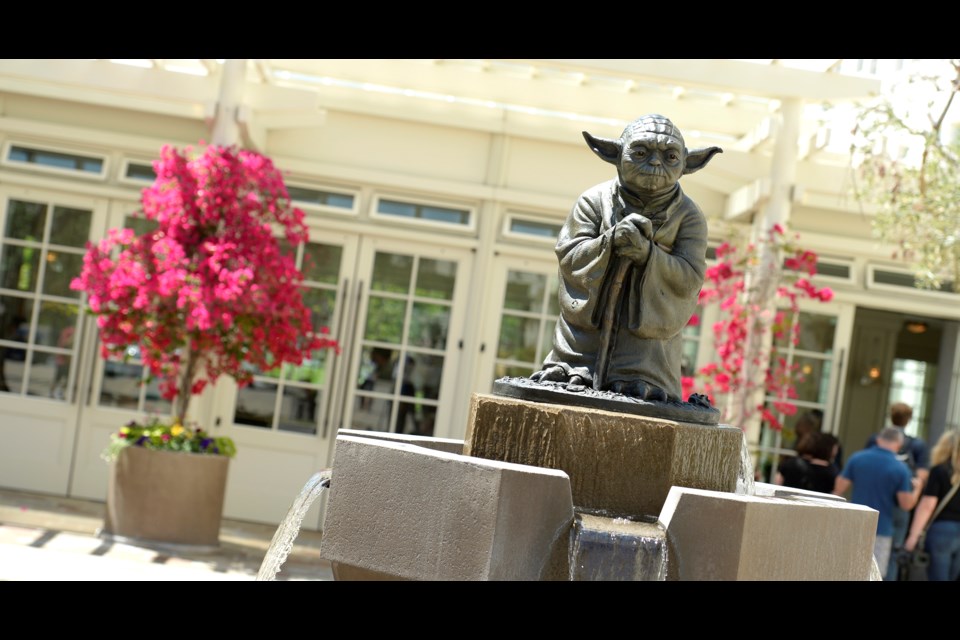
[226, 129]
[766, 277]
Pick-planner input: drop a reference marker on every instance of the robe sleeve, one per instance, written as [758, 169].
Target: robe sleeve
[585, 252]
[666, 292]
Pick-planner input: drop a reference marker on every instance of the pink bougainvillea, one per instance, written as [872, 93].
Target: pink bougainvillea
[743, 312]
[209, 292]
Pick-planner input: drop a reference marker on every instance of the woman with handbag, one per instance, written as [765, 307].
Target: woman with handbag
[936, 521]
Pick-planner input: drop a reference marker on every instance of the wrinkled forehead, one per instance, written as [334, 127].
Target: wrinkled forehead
[653, 129]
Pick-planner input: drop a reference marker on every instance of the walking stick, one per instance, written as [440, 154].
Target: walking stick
[608, 324]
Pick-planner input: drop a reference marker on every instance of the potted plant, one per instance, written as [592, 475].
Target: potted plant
[209, 291]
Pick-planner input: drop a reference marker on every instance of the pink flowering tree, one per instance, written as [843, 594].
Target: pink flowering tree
[209, 292]
[759, 303]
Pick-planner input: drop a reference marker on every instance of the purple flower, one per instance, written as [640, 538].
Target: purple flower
[205, 443]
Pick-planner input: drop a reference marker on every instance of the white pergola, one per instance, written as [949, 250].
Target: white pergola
[749, 108]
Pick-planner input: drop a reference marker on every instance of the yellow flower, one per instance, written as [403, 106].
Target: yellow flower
[176, 430]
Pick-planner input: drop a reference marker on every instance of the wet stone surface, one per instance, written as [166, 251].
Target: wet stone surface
[583, 396]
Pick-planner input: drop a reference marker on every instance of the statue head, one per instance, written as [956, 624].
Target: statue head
[650, 155]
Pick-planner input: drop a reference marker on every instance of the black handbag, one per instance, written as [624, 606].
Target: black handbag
[912, 565]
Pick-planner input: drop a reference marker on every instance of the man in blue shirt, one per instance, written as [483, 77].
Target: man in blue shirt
[914, 453]
[882, 482]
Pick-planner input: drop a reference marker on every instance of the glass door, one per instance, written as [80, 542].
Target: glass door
[407, 341]
[41, 325]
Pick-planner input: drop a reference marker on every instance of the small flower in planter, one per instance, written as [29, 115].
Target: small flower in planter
[166, 434]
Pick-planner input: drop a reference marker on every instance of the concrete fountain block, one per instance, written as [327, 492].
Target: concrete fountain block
[399, 511]
[620, 464]
[722, 536]
[450, 445]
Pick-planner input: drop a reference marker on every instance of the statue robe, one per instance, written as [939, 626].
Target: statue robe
[655, 301]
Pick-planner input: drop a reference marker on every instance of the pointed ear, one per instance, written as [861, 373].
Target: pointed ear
[608, 150]
[698, 158]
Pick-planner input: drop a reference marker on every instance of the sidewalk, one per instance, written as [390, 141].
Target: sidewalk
[47, 538]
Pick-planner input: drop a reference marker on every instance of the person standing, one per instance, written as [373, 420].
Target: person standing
[812, 468]
[913, 453]
[943, 534]
[882, 482]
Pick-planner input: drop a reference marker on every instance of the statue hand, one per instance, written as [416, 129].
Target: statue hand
[626, 234]
[638, 254]
[641, 222]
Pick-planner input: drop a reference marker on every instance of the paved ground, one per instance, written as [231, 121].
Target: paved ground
[46, 538]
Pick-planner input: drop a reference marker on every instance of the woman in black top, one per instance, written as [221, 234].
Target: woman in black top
[811, 468]
[943, 535]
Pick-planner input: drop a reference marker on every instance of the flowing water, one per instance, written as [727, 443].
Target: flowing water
[745, 481]
[282, 543]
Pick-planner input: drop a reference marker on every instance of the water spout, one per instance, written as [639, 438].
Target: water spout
[282, 543]
[745, 480]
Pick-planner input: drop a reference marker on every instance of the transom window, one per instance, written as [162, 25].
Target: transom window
[55, 160]
[423, 213]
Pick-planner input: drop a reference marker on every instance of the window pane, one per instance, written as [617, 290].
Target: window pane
[61, 377]
[422, 375]
[55, 159]
[11, 369]
[43, 372]
[816, 332]
[62, 268]
[315, 196]
[518, 338]
[321, 262]
[298, 410]
[385, 319]
[140, 225]
[435, 278]
[25, 220]
[19, 267]
[378, 370]
[424, 212]
[56, 325]
[255, 404]
[816, 384]
[121, 384]
[524, 291]
[70, 227]
[391, 272]
[15, 316]
[312, 370]
[321, 303]
[533, 228]
[141, 171]
[428, 325]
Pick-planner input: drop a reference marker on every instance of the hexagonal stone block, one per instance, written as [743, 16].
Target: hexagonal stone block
[620, 464]
[408, 512]
[450, 445]
[722, 536]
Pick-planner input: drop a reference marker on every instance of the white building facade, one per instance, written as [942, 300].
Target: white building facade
[434, 191]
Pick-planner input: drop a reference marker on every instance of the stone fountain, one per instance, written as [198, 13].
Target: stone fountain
[594, 468]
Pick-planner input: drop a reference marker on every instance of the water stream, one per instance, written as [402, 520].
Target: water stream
[282, 543]
[745, 481]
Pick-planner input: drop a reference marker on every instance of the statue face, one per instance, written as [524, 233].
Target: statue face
[651, 162]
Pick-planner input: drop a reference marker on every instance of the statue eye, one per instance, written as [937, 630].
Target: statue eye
[673, 156]
[640, 152]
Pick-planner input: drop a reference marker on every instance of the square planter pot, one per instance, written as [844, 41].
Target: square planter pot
[166, 497]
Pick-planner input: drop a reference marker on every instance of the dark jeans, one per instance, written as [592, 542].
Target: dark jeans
[943, 545]
[901, 523]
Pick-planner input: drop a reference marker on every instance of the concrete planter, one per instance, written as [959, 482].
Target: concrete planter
[166, 497]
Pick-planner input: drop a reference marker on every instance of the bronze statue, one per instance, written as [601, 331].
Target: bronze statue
[632, 259]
